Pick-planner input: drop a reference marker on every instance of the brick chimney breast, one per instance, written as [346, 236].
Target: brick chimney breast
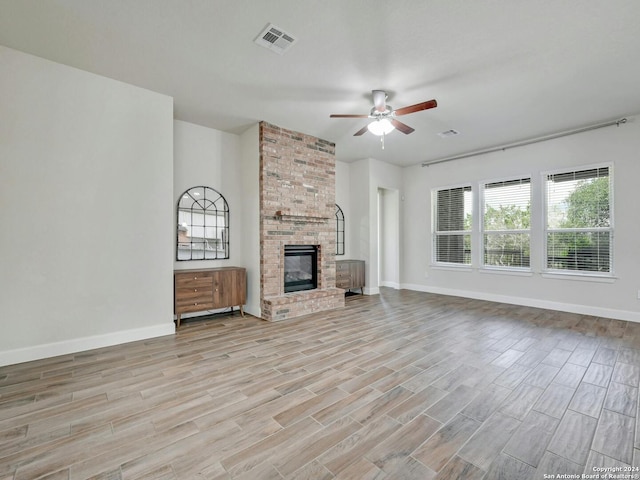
[297, 207]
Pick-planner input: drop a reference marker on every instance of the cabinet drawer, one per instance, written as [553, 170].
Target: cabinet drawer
[187, 296]
[195, 275]
[190, 281]
[209, 289]
[342, 267]
[193, 299]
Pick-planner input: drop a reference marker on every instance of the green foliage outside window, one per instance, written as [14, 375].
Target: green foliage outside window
[509, 249]
[588, 205]
[582, 240]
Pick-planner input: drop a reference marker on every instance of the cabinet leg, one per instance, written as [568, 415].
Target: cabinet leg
[178, 320]
[242, 310]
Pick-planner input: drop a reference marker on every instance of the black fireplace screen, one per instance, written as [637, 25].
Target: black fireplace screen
[300, 267]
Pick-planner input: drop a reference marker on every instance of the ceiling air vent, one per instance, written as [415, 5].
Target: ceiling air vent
[275, 39]
[449, 133]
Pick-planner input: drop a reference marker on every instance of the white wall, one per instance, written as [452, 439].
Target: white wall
[86, 206]
[250, 169]
[358, 226]
[617, 299]
[385, 177]
[367, 176]
[343, 198]
[207, 157]
[389, 237]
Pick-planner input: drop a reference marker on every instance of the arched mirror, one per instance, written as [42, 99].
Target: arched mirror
[203, 225]
[339, 231]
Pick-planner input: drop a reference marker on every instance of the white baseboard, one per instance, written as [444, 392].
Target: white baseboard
[531, 302]
[371, 290]
[395, 285]
[75, 345]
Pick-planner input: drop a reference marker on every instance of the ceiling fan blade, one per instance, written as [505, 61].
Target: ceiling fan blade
[417, 107]
[379, 100]
[360, 132]
[406, 129]
[347, 115]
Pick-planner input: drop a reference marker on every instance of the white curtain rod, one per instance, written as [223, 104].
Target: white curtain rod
[526, 142]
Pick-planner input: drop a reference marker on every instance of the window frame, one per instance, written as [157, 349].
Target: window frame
[435, 233]
[546, 270]
[212, 203]
[482, 231]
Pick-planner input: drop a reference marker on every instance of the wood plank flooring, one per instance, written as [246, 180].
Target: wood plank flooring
[401, 385]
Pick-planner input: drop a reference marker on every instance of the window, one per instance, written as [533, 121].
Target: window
[452, 225]
[506, 223]
[203, 225]
[579, 224]
[339, 231]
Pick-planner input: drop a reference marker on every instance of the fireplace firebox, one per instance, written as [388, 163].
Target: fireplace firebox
[300, 267]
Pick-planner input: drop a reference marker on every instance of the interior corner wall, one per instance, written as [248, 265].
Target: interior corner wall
[207, 157]
[389, 237]
[86, 173]
[367, 176]
[358, 227]
[343, 198]
[250, 224]
[617, 299]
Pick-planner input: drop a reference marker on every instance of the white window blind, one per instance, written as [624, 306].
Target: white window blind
[452, 225]
[506, 222]
[579, 224]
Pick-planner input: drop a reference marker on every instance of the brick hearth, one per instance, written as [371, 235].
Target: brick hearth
[297, 207]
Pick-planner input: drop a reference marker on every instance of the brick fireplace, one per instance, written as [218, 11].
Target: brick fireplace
[297, 207]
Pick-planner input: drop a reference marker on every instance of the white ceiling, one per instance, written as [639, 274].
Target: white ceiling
[501, 70]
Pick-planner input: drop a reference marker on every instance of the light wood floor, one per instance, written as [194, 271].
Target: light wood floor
[403, 385]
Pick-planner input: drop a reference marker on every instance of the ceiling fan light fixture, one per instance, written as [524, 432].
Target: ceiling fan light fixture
[380, 127]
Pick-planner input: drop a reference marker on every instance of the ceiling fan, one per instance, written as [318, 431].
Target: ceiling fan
[384, 115]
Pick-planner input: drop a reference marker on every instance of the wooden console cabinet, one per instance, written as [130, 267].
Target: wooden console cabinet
[350, 274]
[208, 289]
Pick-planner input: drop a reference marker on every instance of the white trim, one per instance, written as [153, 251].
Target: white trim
[371, 290]
[451, 187]
[577, 168]
[395, 285]
[452, 267]
[581, 277]
[482, 232]
[545, 212]
[434, 217]
[510, 178]
[518, 272]
[75, 345]
[530, 302]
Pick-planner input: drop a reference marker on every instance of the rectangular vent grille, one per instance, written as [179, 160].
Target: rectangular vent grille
[448, 133]
[275, 39]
